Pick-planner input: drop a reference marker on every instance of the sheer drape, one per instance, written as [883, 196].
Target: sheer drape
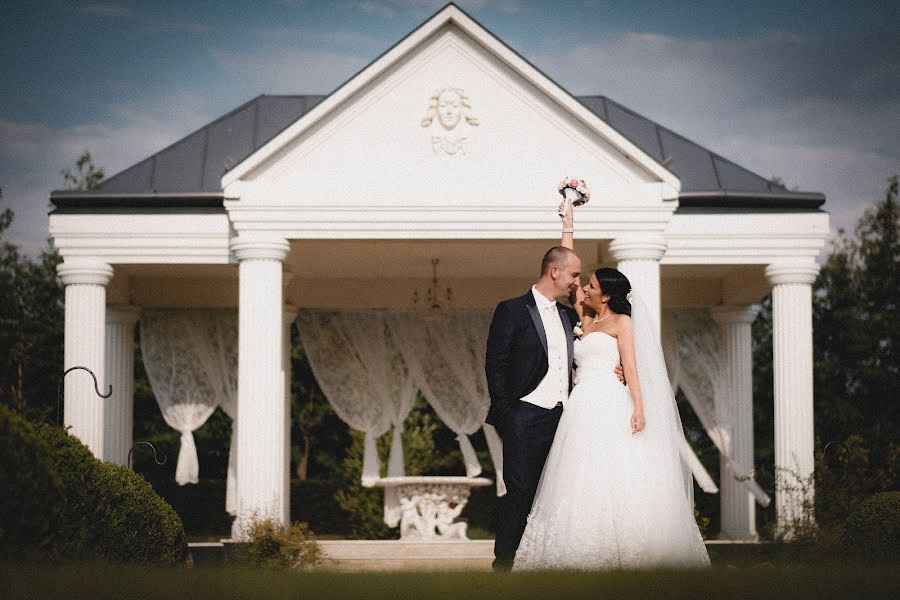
[694, 353]
[371, 363]
[191, 361]
[363, 376]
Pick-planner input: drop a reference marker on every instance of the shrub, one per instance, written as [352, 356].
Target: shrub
[273, 546]
[872, 532]
[133, 523]
[77, 468]
[26, 474]
[58, 499]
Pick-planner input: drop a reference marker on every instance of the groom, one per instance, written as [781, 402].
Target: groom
[529, 375]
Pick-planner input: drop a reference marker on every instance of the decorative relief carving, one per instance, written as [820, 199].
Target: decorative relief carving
[430, 505]
[449, 106]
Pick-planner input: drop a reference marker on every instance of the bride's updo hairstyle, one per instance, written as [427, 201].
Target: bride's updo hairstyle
[614, 284]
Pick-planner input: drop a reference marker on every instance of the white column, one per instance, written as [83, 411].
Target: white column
[119, 419]
[85, 281]
[261, 406]
[638, 258]
[738, 508]
[793, 369]
[289, 314]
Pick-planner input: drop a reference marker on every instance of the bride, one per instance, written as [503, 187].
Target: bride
[614, 493]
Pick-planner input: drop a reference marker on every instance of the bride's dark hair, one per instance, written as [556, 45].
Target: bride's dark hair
[614, 284]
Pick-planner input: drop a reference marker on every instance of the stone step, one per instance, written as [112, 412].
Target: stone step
[457, 555]
[396, 555]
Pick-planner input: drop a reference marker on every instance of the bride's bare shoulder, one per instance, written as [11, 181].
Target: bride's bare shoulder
[622, 323]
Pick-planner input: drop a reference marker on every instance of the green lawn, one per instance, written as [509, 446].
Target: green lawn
[85, 581]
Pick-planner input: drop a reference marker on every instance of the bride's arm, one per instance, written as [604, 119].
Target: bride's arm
[626, 351]
[568, 225]
[568, 241]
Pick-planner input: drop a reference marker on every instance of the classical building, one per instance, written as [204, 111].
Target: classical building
[449, 146]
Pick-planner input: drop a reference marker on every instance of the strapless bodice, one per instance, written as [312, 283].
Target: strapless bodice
[596, 355]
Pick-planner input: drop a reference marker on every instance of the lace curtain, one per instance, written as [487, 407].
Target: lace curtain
[191, 361]
[371, 363]
[693, 351]
[446, 358]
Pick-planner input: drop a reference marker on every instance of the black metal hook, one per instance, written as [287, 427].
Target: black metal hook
[59, 388]
[824, 448]
[152, 447]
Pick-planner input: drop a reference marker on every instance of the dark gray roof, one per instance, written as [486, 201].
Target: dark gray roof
[188, 172]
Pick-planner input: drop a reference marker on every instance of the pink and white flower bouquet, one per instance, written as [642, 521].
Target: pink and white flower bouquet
[575, 190]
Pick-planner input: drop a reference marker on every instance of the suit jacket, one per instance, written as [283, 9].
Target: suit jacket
[516, 359]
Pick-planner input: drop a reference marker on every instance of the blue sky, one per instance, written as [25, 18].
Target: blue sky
[809, 91]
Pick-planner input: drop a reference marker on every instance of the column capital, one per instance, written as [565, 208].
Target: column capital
[792, 272]
[727, 314]
[246, 247]
[638, 246]
[122, 314]
[84, 272]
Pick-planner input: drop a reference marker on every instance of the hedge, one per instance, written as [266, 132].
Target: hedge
[30, 487]
[58, 501]
[872, 531]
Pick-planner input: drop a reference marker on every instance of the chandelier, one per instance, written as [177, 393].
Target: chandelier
[435, 300]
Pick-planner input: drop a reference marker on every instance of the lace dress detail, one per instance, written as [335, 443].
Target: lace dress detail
[608, 499]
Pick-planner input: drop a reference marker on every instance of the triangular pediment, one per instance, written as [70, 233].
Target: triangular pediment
[449, 116]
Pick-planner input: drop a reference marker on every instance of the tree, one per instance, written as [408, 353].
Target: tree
[32, 314]
[85, 176]
[855, 329]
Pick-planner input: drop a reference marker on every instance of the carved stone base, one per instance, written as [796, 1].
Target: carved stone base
[430, 505]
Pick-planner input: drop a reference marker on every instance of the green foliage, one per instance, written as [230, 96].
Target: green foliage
[132, 523]
[78, 470]
[109, 512]
[58, 501]
[872, 532]
[855, 329]
[31, 329]
[84, 176]
[273, 546]
[363, 507]
[32, 317]
[30, 487]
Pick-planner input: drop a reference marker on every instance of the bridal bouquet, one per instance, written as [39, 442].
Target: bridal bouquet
[575, 190]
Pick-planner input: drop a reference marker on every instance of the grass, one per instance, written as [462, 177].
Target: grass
[95, 581]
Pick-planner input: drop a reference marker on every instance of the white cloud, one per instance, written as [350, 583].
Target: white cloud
[106, 9]
[418, 8]
[821, 113]
[32, 155]
[283, 70]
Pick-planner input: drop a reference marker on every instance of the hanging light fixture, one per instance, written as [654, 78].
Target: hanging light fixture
[435, 300]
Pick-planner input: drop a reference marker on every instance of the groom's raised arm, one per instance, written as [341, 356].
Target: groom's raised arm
[497, 360]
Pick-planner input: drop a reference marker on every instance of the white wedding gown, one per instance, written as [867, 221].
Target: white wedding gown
[610, 499]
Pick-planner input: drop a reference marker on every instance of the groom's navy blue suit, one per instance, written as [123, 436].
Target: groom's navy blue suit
[516, 362]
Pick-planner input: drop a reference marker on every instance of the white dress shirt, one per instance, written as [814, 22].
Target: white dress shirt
[554, 387]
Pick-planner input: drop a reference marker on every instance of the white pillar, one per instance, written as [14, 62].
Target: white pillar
[793, 369]
[261, 407]
[738, 508]
[119, 420]
[289, 314]
[638, 258]
[85, 281]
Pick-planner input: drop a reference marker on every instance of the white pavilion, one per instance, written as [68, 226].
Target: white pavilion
[447, 146]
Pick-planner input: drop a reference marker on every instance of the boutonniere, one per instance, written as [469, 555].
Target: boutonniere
[577, 330]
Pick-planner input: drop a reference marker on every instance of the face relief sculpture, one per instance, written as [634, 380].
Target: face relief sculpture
[449, 106]
[449, 109]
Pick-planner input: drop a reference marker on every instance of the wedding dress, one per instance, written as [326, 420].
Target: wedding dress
[610, 499]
